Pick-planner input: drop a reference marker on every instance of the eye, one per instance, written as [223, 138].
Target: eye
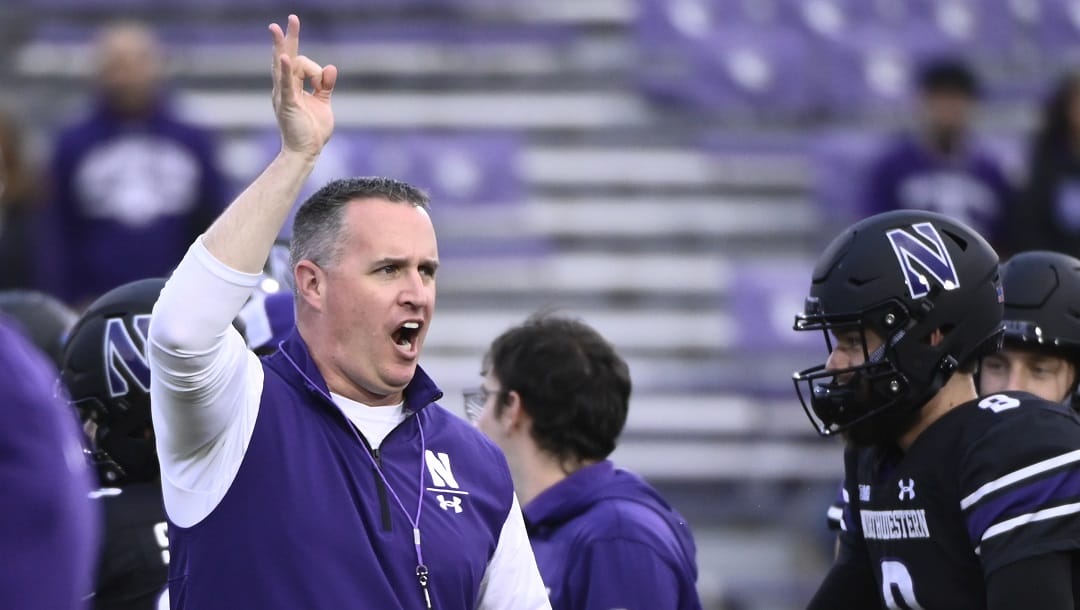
[387, 269]
[428, 270]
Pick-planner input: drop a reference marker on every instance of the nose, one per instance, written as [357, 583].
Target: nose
[1018, 380]
[417, 290]
[836, 361]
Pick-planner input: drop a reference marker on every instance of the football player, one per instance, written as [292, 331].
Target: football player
[954, 501]
[105, 370]
[1042, 336]
[1042, 329]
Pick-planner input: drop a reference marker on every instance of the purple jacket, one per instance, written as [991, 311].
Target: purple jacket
[49, 532]
[969, 186]
[309, 523]
[128, 198]
[604, 538]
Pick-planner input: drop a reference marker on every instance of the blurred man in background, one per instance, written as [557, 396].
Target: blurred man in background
[49, 531]
[939, 166]
[107, 377]
[133, 184]
[555, 397]
[20, 208]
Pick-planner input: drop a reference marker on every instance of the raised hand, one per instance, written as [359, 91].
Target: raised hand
[306, 119]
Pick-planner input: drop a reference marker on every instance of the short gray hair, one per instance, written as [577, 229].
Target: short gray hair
[316, 233]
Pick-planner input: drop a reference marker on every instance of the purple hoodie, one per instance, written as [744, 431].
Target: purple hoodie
[49, 530]
[604, 538]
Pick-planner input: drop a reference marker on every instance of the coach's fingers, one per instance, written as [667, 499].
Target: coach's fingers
[285, 83]
[329, 79]
[292, 36]
[305, 68]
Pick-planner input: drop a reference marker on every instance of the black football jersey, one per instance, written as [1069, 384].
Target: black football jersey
[134, 562]
[993, 481]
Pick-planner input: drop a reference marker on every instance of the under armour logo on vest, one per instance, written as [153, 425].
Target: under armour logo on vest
[454, 502]
[906, 490]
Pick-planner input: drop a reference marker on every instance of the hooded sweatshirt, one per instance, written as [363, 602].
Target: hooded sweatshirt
[604, 538]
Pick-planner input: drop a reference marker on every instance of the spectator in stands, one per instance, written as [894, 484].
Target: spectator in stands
[938, 166]
[1048, 216]
[19, 201]
[554, 398]
[49, 532]
[133, 183]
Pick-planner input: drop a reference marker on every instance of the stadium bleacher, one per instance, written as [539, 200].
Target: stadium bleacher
[652, 166]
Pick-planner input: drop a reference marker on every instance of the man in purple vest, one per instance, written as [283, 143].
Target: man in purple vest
[555, 398]
[49, 532]
[323, 476]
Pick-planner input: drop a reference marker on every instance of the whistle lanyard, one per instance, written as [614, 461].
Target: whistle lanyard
[422, 574]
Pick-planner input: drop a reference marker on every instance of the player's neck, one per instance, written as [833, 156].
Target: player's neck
[958, 390]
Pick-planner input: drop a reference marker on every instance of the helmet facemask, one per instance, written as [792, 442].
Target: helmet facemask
[868, 403]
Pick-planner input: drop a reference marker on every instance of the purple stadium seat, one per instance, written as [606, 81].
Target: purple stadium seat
[869, 70]
[472, 178]
[734, 69]
[840, 161]
[764, 305]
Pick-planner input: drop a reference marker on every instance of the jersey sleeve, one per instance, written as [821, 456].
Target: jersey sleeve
[1020, 483]
[834, 515]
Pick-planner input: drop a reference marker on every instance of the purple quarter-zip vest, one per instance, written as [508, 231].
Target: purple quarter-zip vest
[309, 523]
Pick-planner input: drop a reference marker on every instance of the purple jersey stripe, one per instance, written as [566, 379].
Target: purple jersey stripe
[1022, 499]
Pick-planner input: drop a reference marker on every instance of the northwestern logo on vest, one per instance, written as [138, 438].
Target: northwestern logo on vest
[444, 482]
[125, 356]
[918, 257]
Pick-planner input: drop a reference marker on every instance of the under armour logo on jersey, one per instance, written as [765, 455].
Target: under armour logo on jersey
[125, 357]
[454, 502]
[906, 490]
[918, 257]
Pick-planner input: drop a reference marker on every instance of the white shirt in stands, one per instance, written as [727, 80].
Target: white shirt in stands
[205, 401]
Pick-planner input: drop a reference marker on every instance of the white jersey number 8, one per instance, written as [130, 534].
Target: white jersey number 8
[896, 587]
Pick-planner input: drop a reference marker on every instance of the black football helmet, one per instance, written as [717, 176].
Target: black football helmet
[105, 370]
[901, 275]
[45, 319]
[1042, 305]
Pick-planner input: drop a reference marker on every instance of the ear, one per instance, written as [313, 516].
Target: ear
[514, 418]
[310, 283]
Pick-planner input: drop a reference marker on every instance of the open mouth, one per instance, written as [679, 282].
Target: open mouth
[406, 334]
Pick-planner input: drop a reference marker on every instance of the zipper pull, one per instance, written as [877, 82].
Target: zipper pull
[422, 576]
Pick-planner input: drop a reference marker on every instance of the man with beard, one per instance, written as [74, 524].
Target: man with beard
[954, 501]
